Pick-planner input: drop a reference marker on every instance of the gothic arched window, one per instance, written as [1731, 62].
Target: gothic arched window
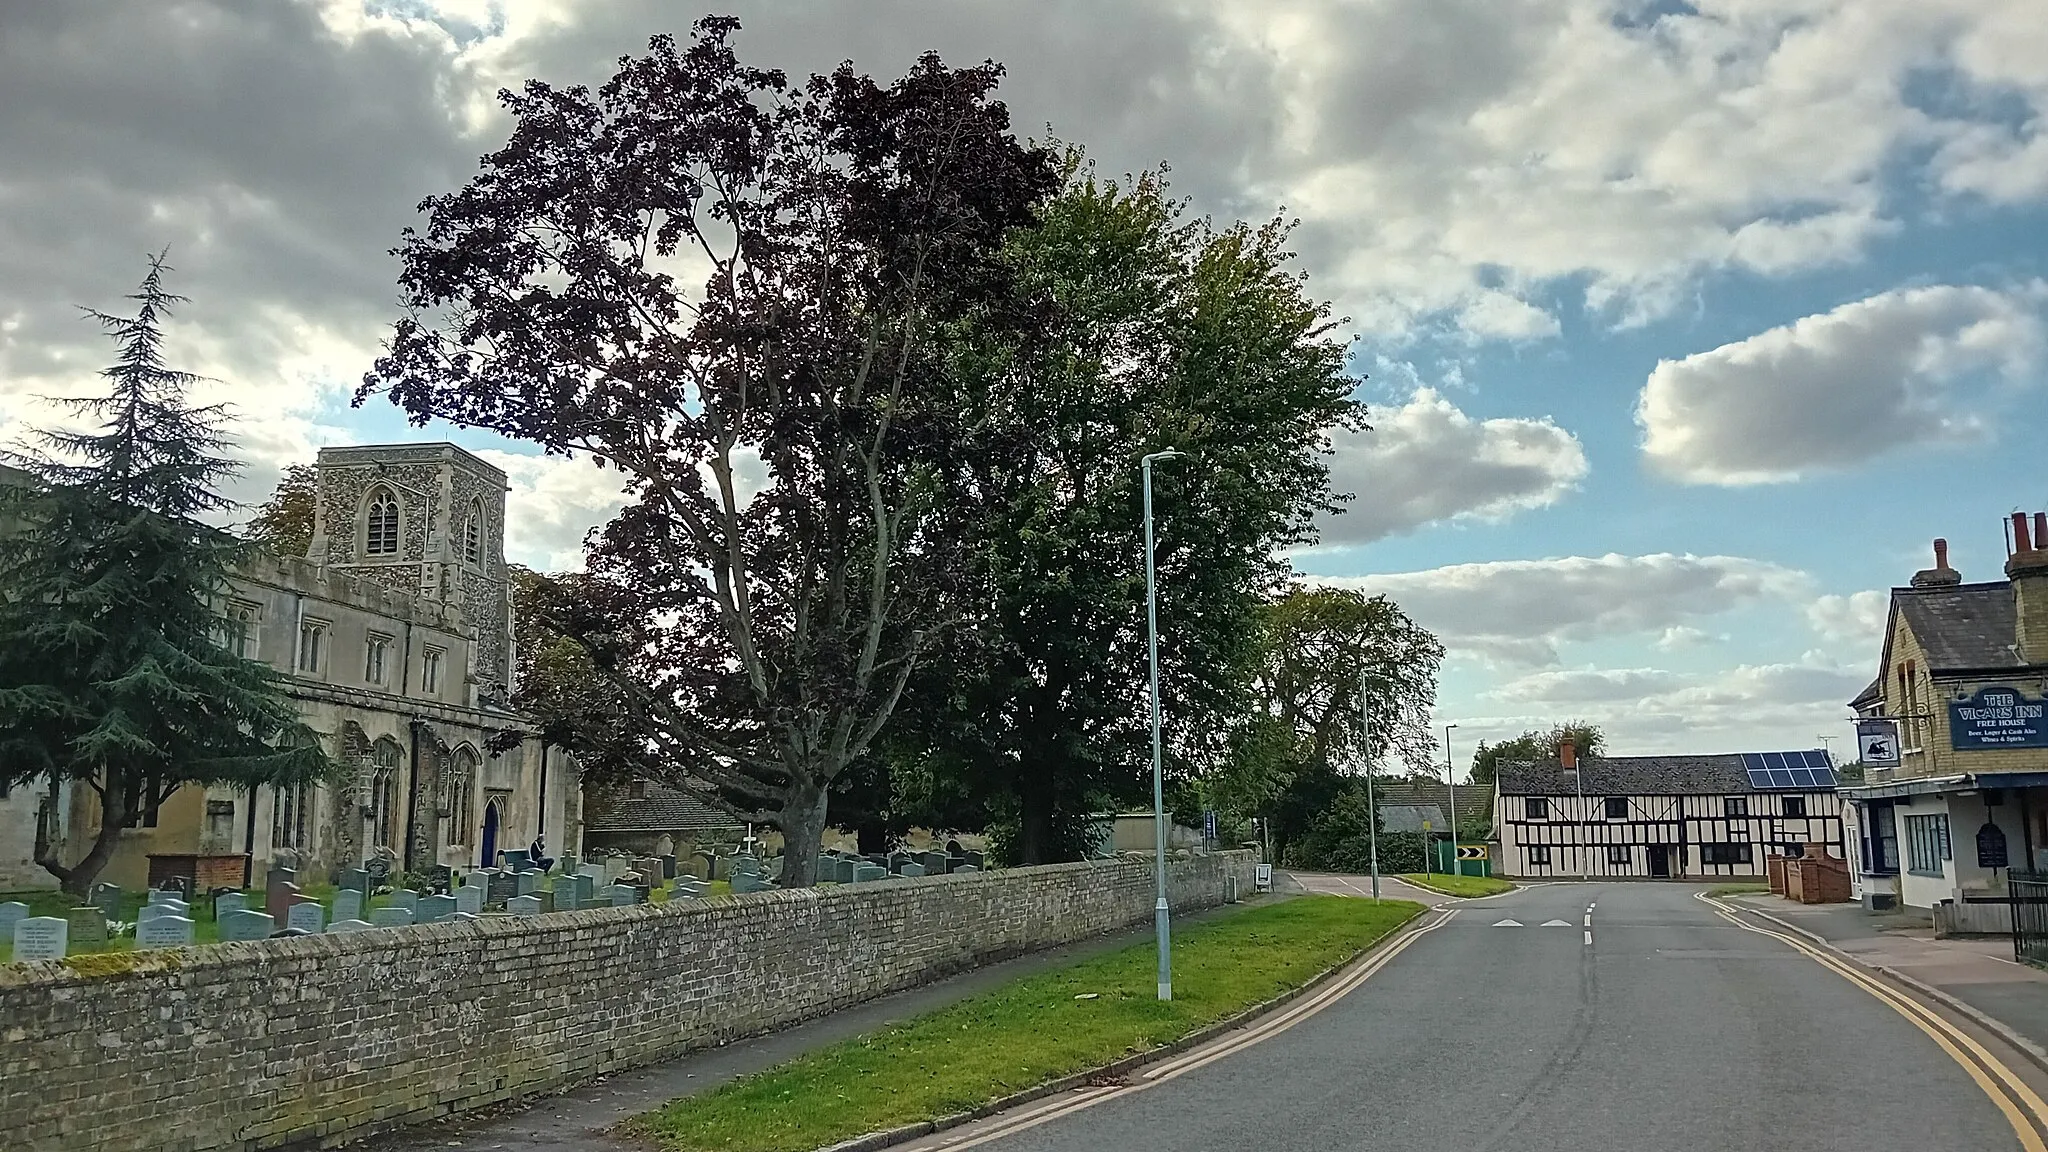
[473, 534]
[381, 523]
[384, 792]
[462, 795]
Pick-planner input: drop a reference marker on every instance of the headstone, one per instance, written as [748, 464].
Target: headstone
[149, 912]
[307, 916]
[469, 898]
[955, 863]
[88, 925]
[348, 904]
[515, 859]
[278, 890]
[12, 912]
[668, 867]
[615, 867]
[349, 926]
[649, 868]
[355, 880]
[896, 861]
[468, 917]
[379, 870]
[934, 863]
[700, 866]
[547, 900]
[593, 873]
[624, 895]
[390, 916]
[975, 859]
[107, 898]
[528, 882]
[163, 932]
[228, 900]
[503, 886]
[689, 886]
[745, 882]
[440, 878]
[164, 896]
[586, 889]
[434, 909]
[524, 906]
[246, 925]
[179, 886]
[42, 937]
[407, 899]
[912, 869]
[966, 868]
[564, 893]
[863, 873]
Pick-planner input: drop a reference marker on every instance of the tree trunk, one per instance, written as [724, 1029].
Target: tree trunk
[77, 880]
[803, 835]
[1034, 815]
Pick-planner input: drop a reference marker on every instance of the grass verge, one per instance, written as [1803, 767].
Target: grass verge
[1031, 1030]
[1458, 885]
[1737, 889]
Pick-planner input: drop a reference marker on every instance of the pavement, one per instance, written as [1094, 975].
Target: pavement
[1980, 972]
[1561, 1016]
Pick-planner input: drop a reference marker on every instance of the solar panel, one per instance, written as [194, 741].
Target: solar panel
[1751, 762]
[1802, 777]
[1820, 762]
[1780, 778]
[1774, 760]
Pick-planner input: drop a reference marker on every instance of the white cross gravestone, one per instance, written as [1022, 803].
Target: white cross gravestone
[41, 937]
[307, 916]
[163, 932]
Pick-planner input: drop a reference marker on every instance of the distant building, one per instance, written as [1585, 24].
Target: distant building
[395, 633]
[1663, 817]
[1963, 681]
[646, 817]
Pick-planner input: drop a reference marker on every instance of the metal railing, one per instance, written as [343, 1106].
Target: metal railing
[2029, 895]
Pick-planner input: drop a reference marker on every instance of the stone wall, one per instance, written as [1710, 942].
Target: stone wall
[319, 1038]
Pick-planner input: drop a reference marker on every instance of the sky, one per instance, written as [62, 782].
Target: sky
[1684, 327]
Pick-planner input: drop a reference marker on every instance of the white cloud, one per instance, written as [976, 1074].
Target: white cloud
[1427, 461]
[1744, 708]
[1855, 621]
[553, 505]
[1679, 637]
[1519, 611]
[1836, 389]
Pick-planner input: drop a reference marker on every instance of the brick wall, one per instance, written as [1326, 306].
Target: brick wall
[312, 1039]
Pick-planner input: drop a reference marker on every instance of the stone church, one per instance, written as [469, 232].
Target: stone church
[395, 631]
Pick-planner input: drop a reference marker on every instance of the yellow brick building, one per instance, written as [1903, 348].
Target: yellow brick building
[1964, 677]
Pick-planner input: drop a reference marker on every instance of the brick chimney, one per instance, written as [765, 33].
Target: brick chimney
[1941, 575]
[1568, 755]
[2027, 567]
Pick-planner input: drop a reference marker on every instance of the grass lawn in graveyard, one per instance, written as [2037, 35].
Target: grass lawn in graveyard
[1033, 1029]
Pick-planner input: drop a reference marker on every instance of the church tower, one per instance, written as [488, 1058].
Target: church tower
[428, 519]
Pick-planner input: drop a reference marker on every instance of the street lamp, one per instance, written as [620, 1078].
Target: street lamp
[1372, 806]
[1160, 911]
[1451, 780]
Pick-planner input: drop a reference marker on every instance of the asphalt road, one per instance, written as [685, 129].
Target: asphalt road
[1672, 1029]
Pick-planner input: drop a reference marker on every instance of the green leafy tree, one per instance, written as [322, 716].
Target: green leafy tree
[698, 270]
[1320, 647]
[1534, 745]
[1137, 328]
[113, 674]
[284, 522]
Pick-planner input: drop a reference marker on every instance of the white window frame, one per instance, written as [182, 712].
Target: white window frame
[313, 636]
[377, 658]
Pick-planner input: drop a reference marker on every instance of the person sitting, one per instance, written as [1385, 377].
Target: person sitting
[534, 853]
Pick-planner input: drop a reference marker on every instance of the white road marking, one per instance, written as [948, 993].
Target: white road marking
[1557, 923]
[1589, 919]
[1507, 923]
[1589, 936]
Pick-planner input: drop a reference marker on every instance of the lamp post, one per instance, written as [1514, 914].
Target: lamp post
[1160, 911]
[1372, 805]
[1451, 780]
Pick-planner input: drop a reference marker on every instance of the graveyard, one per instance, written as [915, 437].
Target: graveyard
[47, 925]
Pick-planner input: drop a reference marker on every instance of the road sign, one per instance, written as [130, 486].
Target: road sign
[1471, 851]
[1262, 877]
[1209, 825]
[1877, 743]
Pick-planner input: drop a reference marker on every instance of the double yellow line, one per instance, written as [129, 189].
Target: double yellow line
[2023, 1108]
[1154, 1075]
